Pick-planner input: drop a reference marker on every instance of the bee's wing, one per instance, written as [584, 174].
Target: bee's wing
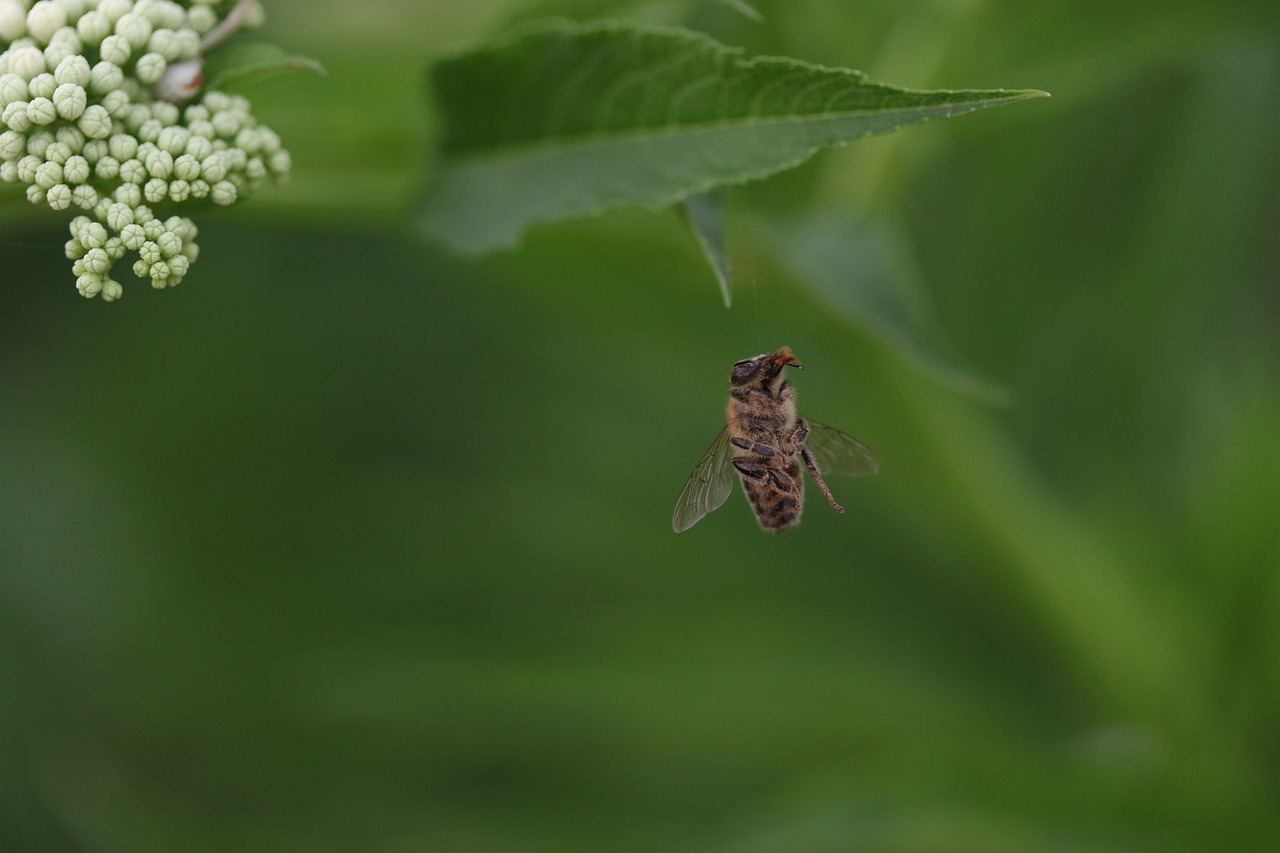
[838, 452]
[709, 484]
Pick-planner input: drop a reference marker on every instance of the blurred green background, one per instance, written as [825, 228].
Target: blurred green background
[348, 544]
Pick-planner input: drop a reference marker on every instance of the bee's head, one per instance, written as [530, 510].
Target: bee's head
[764, 370]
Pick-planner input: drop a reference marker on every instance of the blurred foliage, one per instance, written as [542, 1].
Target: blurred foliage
[346, 544]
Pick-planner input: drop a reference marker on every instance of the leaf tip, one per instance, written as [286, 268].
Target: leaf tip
[745, 9]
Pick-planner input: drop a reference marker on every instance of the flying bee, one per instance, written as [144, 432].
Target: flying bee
[765, 441]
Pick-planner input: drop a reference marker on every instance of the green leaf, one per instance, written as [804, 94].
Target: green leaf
[567, 120]
[585, 10]
[863, 271]
[574, 10]
[241, 63]
[704, 214]
[742, 7]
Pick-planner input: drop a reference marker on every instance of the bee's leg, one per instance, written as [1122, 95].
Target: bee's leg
[797, 439]
[762, 472]
[794, 443]
[783, 480]
[755, 447]
[817, 478]
[750, 468]
[801, 431]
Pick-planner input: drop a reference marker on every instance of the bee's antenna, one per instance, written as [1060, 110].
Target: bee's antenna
[797, 365]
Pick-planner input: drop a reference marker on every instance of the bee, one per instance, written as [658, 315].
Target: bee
[765, 441]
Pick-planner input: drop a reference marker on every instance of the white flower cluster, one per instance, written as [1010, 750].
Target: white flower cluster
[82, 126]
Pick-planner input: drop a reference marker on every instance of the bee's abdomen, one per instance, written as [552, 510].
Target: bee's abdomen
[777, 508]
